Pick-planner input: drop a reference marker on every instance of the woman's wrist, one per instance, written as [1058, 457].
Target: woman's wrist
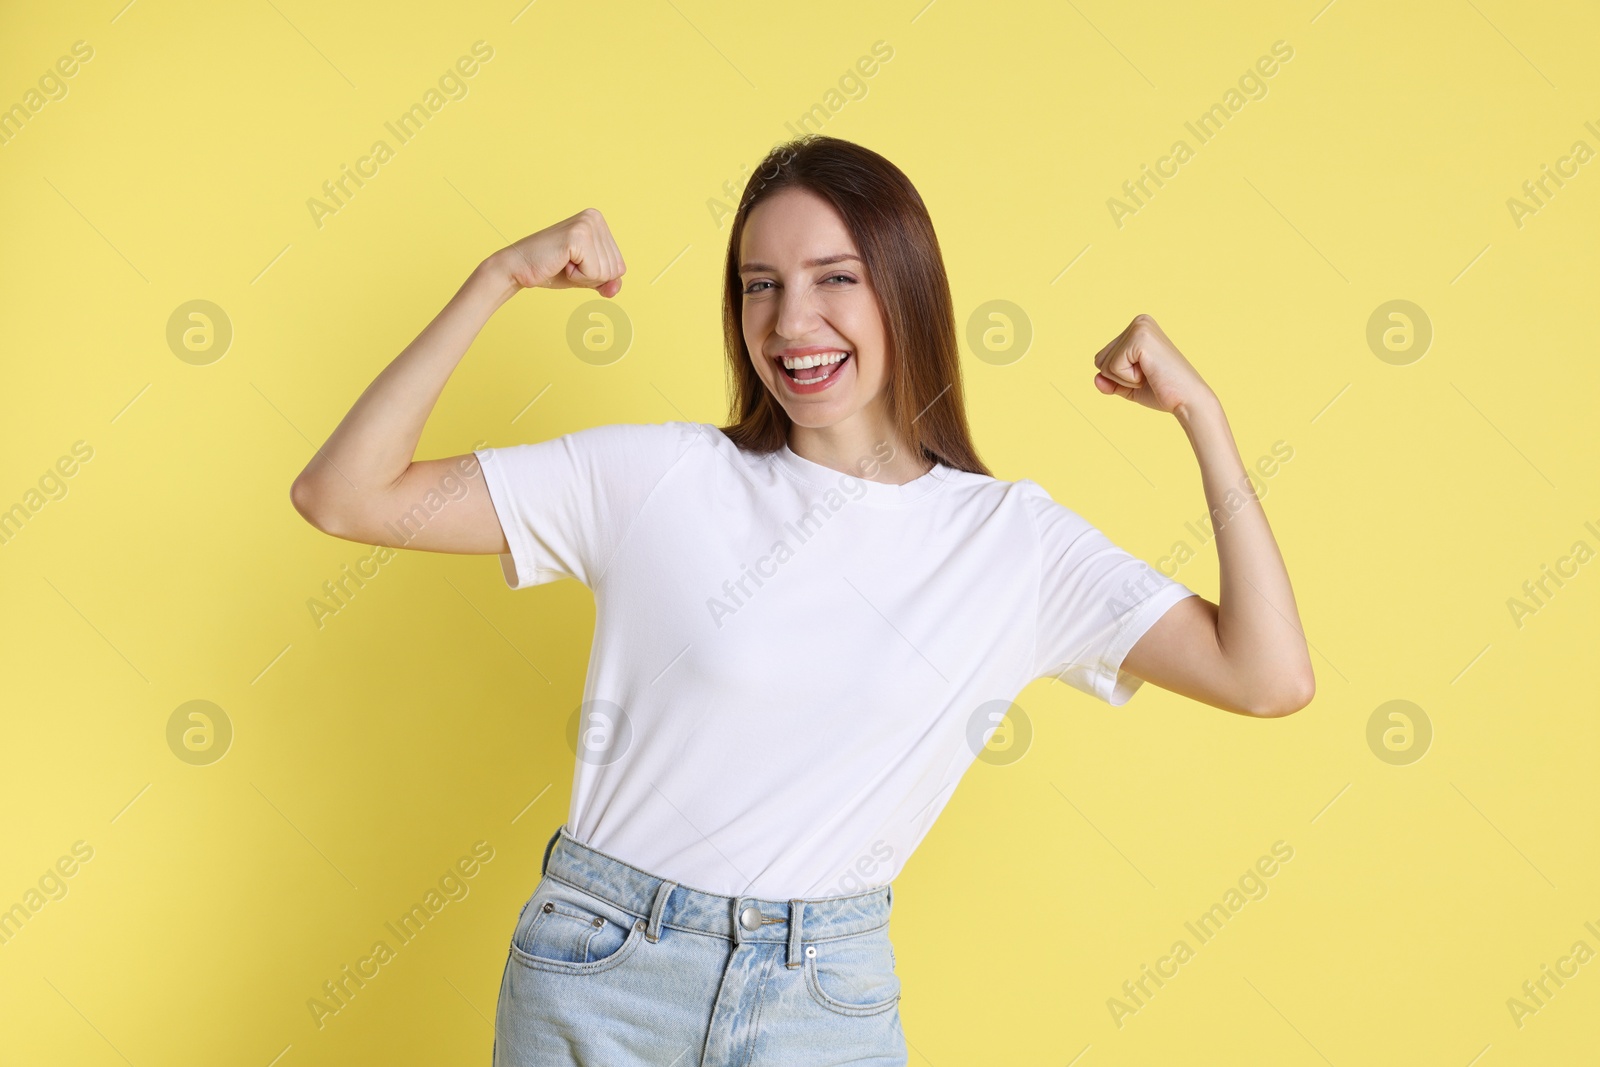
[494, 279]
[1206, 407]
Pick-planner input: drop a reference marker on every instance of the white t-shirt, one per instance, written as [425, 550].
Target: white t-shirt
[793, 667]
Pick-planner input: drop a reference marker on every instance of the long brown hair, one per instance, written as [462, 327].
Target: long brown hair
[889, 223]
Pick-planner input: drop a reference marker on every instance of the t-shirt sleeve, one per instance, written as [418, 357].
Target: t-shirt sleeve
[1095, 601]
[566, 504]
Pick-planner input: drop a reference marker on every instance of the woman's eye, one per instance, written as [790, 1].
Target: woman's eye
[753, 286]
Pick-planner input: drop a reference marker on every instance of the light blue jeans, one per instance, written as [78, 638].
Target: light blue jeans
[611, 966]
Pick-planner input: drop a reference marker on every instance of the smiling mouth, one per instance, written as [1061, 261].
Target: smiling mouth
[814, 369]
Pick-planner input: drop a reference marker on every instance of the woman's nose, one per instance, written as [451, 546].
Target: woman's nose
[796, 314]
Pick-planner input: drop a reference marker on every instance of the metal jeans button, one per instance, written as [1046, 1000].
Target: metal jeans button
[750, 917]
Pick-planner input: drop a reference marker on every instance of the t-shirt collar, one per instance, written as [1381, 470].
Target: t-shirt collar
[854, 487]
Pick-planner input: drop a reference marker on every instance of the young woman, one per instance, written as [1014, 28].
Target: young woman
[807, 621]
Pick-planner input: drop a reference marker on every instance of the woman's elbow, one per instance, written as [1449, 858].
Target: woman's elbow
[1288, 700]
[309, 504]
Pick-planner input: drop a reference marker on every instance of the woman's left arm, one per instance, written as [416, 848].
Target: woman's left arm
[1246, 653]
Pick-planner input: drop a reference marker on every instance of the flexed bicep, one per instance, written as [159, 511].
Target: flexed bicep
[437, 505]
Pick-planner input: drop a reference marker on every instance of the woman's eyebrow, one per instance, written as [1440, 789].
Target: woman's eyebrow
[750, 268]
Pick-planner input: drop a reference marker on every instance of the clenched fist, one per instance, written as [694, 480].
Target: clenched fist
[574, 253]
[1143, 365]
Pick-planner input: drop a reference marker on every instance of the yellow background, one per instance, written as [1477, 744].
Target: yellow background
[429, 713]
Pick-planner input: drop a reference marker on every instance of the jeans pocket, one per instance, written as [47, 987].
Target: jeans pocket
[564, 929]
[853, 975]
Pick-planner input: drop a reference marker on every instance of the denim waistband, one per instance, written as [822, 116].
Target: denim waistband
[664, 902]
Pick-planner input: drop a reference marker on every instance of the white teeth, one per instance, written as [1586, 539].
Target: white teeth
[802, 362]
[813, 381]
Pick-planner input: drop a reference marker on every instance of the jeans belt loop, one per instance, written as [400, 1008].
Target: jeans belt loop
[796, 910]
[544, 864]
[652, 932]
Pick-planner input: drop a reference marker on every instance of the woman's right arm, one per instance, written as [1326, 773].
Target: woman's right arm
[364, 484]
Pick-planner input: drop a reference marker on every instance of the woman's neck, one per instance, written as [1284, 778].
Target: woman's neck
[872, 453]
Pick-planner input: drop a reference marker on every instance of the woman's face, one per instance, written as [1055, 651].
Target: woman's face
[806, 293]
